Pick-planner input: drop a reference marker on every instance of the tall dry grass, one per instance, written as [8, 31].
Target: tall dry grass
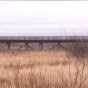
[68, 76]
[42, 69]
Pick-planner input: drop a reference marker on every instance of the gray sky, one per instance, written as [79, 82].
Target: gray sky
[44, 18]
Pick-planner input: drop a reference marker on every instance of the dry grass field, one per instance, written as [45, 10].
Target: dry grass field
[43, 69]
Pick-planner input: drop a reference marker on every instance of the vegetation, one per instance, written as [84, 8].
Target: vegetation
[43, 69]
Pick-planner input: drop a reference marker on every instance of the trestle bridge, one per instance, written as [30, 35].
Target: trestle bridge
[40, 40]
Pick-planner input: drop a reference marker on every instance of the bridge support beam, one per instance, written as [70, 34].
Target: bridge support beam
[9, 45]
[27, 46]
[41, 45]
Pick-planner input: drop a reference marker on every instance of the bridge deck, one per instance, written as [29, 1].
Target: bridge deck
[43, 38]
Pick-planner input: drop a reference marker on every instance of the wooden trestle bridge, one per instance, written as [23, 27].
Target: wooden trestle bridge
[9, 40]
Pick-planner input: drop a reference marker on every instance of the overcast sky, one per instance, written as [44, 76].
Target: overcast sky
[41, 18]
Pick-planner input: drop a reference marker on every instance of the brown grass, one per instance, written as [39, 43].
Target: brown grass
[42, 69]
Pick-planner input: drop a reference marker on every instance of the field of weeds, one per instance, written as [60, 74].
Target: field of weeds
[43, 69]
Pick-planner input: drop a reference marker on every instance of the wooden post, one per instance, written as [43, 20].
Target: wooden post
[41, 45]
[9, 45]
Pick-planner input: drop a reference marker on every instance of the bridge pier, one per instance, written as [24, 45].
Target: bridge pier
[9, 45]
[41, 45]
